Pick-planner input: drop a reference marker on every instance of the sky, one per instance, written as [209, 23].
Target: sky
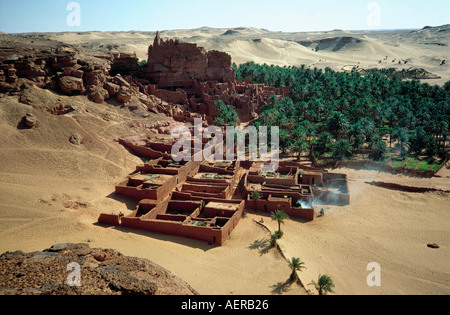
[22, 16]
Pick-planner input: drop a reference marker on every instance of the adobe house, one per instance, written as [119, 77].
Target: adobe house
[157, 178]
[292, 207]
[295, 200]
[211, 221]
[147, 186]
[323, 185]
[334, 190]
[195, 199]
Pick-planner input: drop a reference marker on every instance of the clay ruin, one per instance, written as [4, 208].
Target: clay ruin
[180, 80]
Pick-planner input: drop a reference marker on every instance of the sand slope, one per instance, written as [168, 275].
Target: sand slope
[53, 192]
[338, 49]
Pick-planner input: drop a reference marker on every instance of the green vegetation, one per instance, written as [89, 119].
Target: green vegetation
[436, 167]
[256, 195]
[425, 165]
[296, 265]
[324, 285]
[411, 163]
[341, 115]
[279, 216]
[273, 239]
[397, 163]
[142, 63]
[226, 115]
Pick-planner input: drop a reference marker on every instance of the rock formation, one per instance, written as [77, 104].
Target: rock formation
[102, 272]
[30, 120]
[173, 64]
[180, 80]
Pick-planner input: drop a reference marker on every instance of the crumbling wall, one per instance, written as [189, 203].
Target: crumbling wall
[270, 205]
[172, 63]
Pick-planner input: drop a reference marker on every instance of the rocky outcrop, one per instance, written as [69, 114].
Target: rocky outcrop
[124, 94]
[112, 88]
[70, 85]
[99, 95]
[30, 120]
[181, 80]
[75, 139]
[50, 65]
[102, 272]
[124, 64]
[172, 63]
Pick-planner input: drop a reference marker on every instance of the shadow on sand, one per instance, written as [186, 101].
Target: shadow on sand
[129, 202]
[179, 240]
[263, 246]
[282, 287]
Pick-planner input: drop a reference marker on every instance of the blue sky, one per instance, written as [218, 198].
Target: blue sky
[18, 16]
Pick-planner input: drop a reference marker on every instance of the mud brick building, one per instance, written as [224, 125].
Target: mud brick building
[206, 200]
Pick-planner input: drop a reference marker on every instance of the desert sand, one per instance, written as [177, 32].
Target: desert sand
[391, 228]
[53, 191]
[338, 49]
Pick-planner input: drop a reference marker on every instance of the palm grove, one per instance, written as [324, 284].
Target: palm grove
[339, 114]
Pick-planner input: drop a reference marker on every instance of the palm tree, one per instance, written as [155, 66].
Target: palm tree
[256, 195]
[355, 131]
[285, 140]
[380, 150]
[343, 149]
[402, 136]
[279, 216]
[296, 264]
[299, 147]
[273, 239]
[324, 140]
[338, 124]
[310, 134]
[324, 285]
[368, 127]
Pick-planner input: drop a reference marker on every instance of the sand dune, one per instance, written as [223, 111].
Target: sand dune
[426, 48]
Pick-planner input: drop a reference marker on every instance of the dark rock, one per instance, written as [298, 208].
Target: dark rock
[58, 247]
[75, 139]
[435, 246]
[112, 88]
[121, 81]
[45, 273]
[120, 280]
[30, 120]
[39, 255]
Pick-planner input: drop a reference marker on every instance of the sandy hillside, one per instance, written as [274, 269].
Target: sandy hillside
[426, 48]
[53, 192]
[391, 228]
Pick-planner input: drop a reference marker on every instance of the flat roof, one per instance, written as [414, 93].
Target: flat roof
[211, 175]
[280, 198]
[222, 205]
[157, 179]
